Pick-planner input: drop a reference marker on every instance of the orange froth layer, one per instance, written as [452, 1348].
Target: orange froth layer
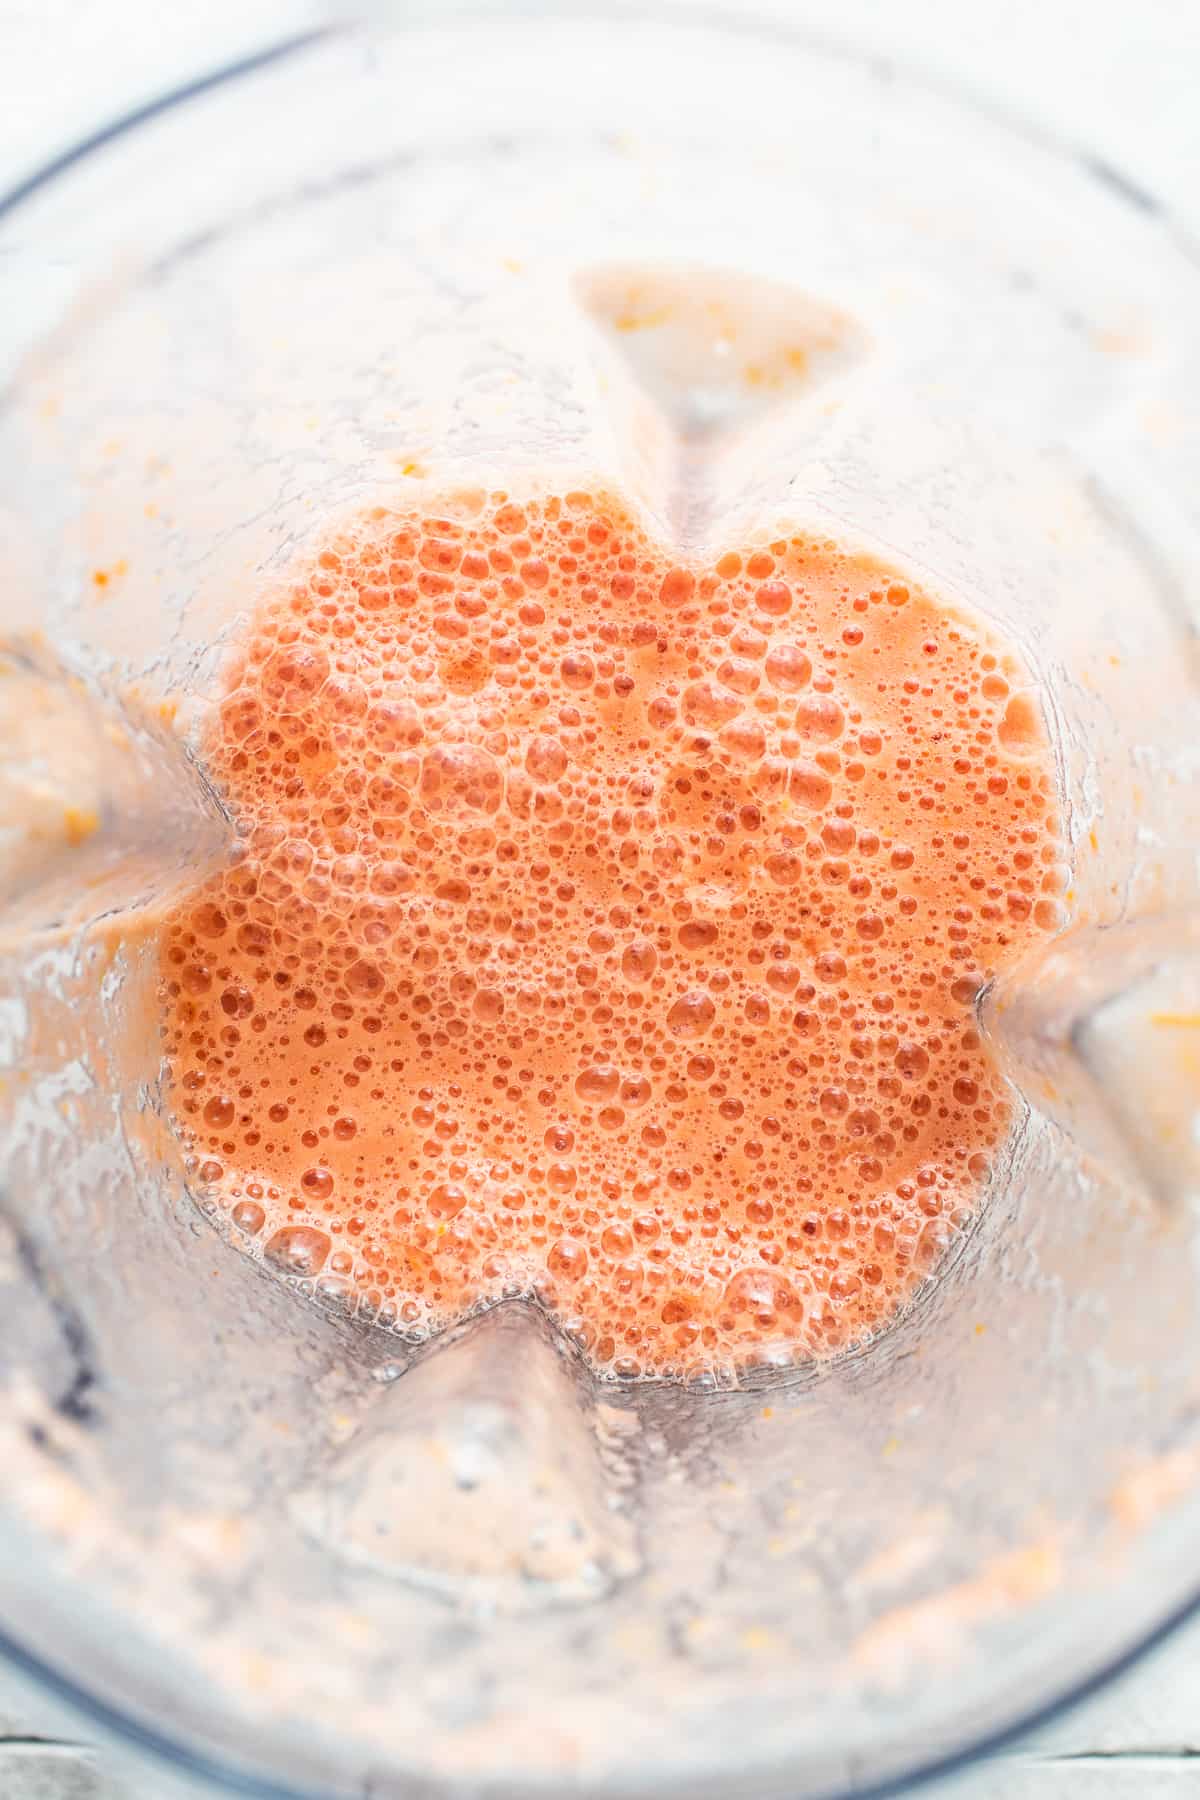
[608, 929]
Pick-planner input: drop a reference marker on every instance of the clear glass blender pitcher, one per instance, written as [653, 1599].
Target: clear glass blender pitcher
[740, 277]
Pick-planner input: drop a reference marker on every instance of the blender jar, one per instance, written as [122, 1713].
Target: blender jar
[740, 278]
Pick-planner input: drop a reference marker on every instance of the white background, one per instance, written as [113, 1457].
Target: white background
[1121, 77]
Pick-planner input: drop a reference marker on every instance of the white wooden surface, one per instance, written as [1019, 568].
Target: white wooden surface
[1122, 76]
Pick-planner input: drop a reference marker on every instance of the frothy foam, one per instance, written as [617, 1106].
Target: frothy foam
[608, 929]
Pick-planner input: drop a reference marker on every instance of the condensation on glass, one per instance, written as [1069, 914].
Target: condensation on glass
[737, 278]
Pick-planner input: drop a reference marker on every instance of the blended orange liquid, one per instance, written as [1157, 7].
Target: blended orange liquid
[608, 930]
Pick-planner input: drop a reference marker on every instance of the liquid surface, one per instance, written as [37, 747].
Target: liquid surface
[608, 929]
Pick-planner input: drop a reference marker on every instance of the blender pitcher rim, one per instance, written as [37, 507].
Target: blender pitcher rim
[753, 21]
[207, 1763]
[210, 1769]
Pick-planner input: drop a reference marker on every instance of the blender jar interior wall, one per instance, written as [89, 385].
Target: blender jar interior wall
[363, 271]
